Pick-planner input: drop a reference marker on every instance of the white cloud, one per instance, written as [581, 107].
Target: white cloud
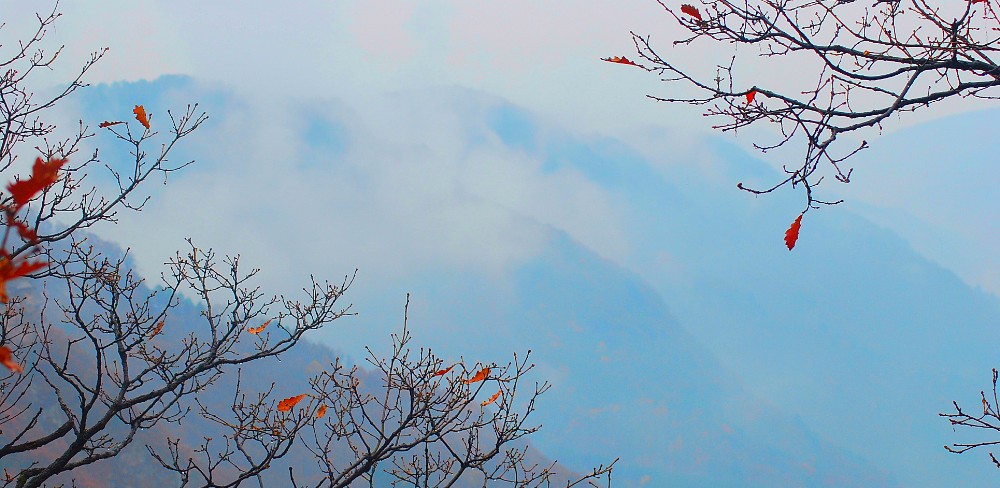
[412, 192]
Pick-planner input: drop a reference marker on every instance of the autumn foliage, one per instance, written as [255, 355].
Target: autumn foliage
[7, 359]
[260, 328]
[692, 11]
[140, 115]
[480, 376]
[44, 173]
[287, 404]
[792, 234]
[619, 60]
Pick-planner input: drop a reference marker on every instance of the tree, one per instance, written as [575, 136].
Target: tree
[866, 63]
[97, 359]
[863, 62]
[988, 421]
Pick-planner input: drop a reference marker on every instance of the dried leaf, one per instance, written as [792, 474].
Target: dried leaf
[258, 330]
[287, 404]
[106, 124]
[156, 330]
[619, 60]
[321, 411]
[692, 11]
[140, 115]
[492, 398]
[480, 376]
[444, 371]
[750, 96]
[43, 175]
[7, 359]
[792, 234]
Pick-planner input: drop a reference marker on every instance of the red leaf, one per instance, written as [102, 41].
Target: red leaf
[750, 95]
[258, 330]
[109, 124]
[480, 376]
[792, 234]
[692, 11]
[287, 404]
[43, 175]
[140, 115]
[321, 411]
[492, 398]
[22, 230]
[8, 271]
[444, 371]
[978, 1]
[619, 60]
[7, 359]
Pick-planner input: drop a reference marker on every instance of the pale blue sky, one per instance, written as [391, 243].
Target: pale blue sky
[543, 56]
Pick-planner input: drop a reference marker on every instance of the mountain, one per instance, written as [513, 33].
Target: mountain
[628, 379]
[281, 376]
[677, 330]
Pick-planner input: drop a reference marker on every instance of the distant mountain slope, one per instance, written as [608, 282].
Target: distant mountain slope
[943, 175]
[855, 332]
[287, 375]
[825, 366]
[629, 381]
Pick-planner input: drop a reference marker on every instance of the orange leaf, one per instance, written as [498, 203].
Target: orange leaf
[321, 411]
[140, 115]
[43, 175]
[287, 404]
[7, 359]
[867, 53]
[792, 234]
[692, 11]
[444, 371]
[109, 124]
[157, 329]
[258, 330]
[480, 376]
[619, 60]
[750, 95]
[492, 398]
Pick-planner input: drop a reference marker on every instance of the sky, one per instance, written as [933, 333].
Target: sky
[426, 184]
[544, 56]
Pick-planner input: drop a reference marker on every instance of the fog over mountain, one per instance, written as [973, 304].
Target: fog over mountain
[677, 330]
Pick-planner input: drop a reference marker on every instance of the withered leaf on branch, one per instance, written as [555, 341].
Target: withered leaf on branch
[259, 329]
[692, 11]
[480, 376]
[287, 404]
[792, 234]
[140, 115]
